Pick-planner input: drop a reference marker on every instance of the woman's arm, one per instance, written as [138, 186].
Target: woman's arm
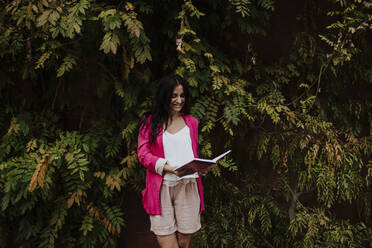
[145, 156]
[147, 159]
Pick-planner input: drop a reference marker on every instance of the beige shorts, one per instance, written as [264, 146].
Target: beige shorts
[180, 210]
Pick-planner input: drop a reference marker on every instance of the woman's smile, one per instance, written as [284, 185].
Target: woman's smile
[177, 99]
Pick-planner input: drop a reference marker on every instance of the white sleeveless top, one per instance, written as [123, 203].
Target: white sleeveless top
[177, 151]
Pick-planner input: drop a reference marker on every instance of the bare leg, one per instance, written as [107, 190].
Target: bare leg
[167, 241]
[184, 240]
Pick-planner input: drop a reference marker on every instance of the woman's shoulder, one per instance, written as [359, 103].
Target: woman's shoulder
[191, 119]
[146, 117]
[145, 121]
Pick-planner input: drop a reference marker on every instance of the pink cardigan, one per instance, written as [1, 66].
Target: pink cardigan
[149, 154]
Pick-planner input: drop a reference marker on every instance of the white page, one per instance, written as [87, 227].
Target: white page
[213, 160]
[208, 160]
[222, 155]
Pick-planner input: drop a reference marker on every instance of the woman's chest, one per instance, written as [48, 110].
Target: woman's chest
[176, 125]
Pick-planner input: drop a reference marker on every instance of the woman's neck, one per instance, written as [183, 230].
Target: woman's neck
[174, 115]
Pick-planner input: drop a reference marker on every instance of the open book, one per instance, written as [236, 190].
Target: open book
[198, 164]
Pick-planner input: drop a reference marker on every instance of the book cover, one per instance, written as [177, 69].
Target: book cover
[198, 164]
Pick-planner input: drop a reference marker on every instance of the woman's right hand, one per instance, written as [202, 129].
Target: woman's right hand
[168, 168]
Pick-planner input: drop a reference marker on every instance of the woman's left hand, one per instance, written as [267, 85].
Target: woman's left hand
[206, 170]
[183, 173]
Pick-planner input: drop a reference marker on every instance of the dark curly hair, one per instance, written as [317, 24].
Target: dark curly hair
[160, 111]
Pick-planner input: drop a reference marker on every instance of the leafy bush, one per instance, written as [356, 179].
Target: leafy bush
[78, 75]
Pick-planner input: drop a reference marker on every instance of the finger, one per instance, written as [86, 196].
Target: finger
[184, 172]
[179, 173]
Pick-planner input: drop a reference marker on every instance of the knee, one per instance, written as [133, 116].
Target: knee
[183, 244]
[184, 241]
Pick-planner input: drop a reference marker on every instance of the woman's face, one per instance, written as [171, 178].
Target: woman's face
[177, 99]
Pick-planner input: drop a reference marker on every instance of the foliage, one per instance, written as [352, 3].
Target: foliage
[75, 82]
[50, 184]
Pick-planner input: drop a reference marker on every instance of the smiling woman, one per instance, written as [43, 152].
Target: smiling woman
[167, 139]
[177, 100]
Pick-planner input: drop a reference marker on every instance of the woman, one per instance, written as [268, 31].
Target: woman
[168, 138]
